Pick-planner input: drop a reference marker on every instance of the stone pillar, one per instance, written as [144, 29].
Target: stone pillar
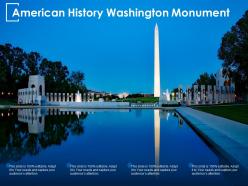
[47, 97]
[203, 94]
[59, 97]
[233, 94]
[221, 95]
[215, 98]
[188, 96]
[32, 96]
[180, 94]
[29, 96]
[210, 94]
[63, 95]
[26, 96]
[67, 97]
[225, 94]
[55, 97]
[217, 95]
[51, 97]
[173, 96]
[195, 94]
[84, 96]
[72, 97]
[92, 96]
[88, 97]
[229, 94]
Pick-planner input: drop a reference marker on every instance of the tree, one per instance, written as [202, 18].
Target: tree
[16, 65]
[77, 78]
[33, 59]
[76, 82]
[12, 67]
[205, 79]
[56, 75]
[136, 95]
[234, 53]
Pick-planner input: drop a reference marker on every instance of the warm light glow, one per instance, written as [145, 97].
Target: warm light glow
[78, 97]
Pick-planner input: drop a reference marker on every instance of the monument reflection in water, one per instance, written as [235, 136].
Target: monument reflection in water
[142, 137]
[157, 135]
[164, 115]
[29, 131]
[35, 118]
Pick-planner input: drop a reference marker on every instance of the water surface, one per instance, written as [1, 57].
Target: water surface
[116, 137]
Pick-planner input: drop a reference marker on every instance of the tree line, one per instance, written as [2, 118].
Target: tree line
[234, 53]
[16, 65]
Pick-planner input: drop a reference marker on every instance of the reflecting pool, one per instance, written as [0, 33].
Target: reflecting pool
[121, 138]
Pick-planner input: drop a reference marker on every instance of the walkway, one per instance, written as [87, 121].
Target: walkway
[227, 136]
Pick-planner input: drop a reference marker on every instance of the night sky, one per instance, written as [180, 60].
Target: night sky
[116, 54]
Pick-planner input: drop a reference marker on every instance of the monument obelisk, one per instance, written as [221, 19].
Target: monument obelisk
[156, 63]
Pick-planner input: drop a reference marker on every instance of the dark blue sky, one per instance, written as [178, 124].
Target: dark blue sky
[116, 55]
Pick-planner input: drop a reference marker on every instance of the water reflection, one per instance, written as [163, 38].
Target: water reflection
[160, 115]
[35, 119]
[28, 131]
[157, 135]
[179, 118]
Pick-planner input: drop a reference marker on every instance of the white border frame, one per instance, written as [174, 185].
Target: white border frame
[10, 20]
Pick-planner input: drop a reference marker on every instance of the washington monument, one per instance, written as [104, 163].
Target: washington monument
[156, 63]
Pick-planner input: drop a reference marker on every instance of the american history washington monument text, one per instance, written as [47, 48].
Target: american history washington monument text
[156, 63]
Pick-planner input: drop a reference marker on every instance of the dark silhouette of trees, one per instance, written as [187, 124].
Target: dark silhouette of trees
[33, 59]
[16, 65]
[77, 78]
[76, 81]
[135, 95]
[206, 79]
[234, 53]
[16, 141]
[56, 76]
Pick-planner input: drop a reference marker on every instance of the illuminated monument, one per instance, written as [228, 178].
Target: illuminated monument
[156, 63]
